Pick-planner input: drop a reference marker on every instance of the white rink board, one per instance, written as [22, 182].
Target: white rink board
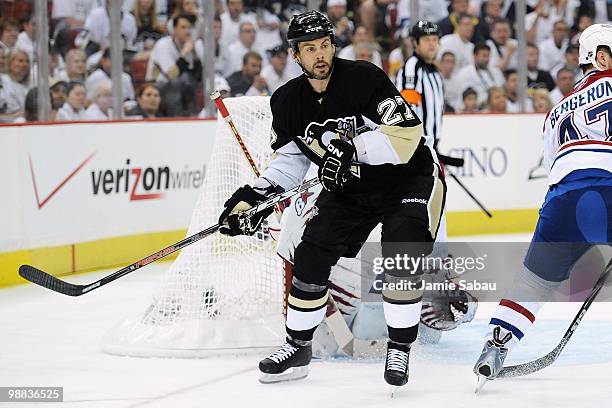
[72, 183]
[502, 155]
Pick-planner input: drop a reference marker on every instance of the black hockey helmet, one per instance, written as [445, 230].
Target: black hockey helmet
[308, 26]
[423, 28]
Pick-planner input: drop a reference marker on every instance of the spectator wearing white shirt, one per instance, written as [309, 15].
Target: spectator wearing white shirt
[565, 85]
[230, 22]
[103, 73]
[459, 42]
[176, 68]
[452, 87]
[76, 69]
[236, 51]
[25, 39]
[97, 25]
[552, 50]
[173, 55]
[503, 48]
[539, 23]
[278, 72]
[570, 62]
[74, 107]
[9, 31]
[361, 36]
[479, 76]
[268, 30]
[101, 101]
[15, 84]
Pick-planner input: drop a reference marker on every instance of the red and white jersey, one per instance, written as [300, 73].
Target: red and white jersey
[577, 130]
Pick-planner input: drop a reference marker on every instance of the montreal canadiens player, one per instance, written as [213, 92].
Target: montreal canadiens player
[375, 165]
[577, 210]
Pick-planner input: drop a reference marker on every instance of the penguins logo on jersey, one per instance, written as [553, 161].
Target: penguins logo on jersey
[318, 135]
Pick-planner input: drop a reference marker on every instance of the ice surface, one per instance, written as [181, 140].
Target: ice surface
[47, 339]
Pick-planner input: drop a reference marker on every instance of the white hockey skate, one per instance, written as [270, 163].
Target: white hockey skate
[491, 360]
[288, 363]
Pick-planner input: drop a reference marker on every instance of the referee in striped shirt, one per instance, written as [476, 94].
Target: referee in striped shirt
[420, 84]
[419, 81]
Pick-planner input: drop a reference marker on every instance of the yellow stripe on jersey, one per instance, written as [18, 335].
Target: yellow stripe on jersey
[404, 140]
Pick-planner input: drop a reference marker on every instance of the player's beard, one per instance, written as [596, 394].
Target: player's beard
[320, 76]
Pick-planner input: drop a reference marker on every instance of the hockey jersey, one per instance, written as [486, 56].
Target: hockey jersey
[360, 104]
[577, 130]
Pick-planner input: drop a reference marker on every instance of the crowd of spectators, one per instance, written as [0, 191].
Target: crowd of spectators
[163, 52]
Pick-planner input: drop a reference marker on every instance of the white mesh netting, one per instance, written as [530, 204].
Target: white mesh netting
[222, 293]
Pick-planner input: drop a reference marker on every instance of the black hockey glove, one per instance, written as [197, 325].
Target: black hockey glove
[230, 222]
[335, 171]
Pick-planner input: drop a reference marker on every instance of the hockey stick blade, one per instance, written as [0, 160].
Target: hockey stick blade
[45, 280]
[543, 362]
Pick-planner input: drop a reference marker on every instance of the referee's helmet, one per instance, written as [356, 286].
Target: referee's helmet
[423, 28]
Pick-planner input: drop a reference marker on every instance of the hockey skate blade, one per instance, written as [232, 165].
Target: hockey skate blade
[482, 380]
[393, 389]
[292, 374]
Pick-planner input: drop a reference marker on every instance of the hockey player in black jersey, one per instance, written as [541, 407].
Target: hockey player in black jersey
[376, 166]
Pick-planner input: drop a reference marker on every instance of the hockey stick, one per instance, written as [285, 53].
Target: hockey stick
[334, 319]
[469, 193]
[216, 97]
[548, 359]
[53, 283]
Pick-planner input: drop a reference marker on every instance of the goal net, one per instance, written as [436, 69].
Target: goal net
[221, 294]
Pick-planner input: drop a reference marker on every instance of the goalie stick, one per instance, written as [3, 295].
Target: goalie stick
[334, 319]
[53, 283]
[548, 359]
